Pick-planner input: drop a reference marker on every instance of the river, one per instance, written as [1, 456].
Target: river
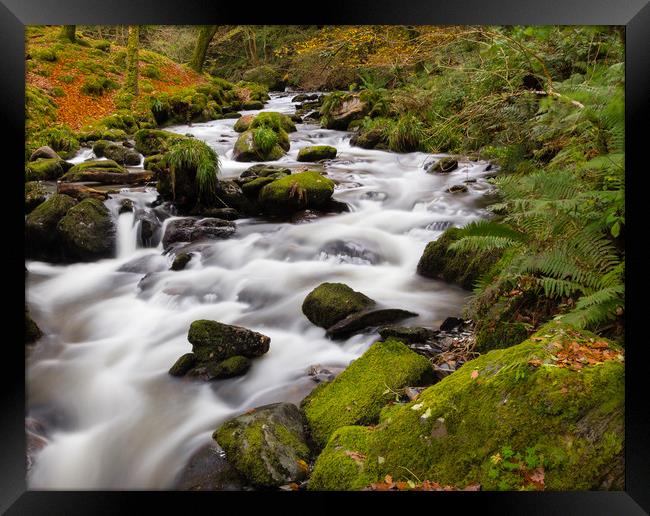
[98, 382]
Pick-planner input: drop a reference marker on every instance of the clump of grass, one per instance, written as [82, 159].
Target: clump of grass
[102, 44]
[46, 54]
[193, 154]
[265, 139]
[98, 85]
[151, 71]
[57, 91]
[67, 79]
[407, 134]
[275, 121]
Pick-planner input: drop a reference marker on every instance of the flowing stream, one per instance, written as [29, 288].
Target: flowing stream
[98, 382]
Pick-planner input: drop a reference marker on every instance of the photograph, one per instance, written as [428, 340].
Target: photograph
[343, 257]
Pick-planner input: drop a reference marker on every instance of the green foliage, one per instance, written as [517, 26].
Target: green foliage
[193, 154]
[265, 139]
[98, 85]
[151, 71]
[406, 135]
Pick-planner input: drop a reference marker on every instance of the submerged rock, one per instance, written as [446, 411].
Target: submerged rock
[443, 165]
[266, 445]
[357, 395]
[190, 230]
[296, 192]
[180, 261]
[316, 153]
[408, 335]
[329, 303]
[561, 427]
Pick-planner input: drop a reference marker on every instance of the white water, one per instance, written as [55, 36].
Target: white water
[99, 383]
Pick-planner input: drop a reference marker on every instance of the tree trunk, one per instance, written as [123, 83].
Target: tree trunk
[68, 32]
[206, 33]
[132, 59]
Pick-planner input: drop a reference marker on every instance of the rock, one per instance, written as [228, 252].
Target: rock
[330, 303]
[266, 445]
[216, 213]
[232, 194]
[359, 321]
[504, 399]
[463, 268]
[214, 341]
[350, 108]
[251, 188]
[407, 335]
[150, 227]
[101, 171]
[44, 152]
[32, 331]
[228, 368]
[155, 141]
[181, 261]
[126, 206]
[296, 192]
[190, 229]
[451, 323]
[243, 123]
[208, 470]
[231, 115]
[492, 334]
[372, 139]
[316, 153]
[302, 97]
[350, 252]
[41, 227]
[443, 165]
[253, 104]
[116, 152]
[320, 374]
[35, 194]
[80, 191]
[262, 170]
[46, 169]
[87, 231]
[247, 150]
[357, 395]
[457, 189]
[183, 364]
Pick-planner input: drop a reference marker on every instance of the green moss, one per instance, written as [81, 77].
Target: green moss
[41, 224]
[214, 341]
[155, 141]
[298, 191]
[463, 268]
[316, 153]
[456, 432]
[151, 71]
[266, 75]
[246, 148]
[328, 303]
[233, 366]
[273, 120]
[87, 231]
[183, 364]
[58, 137]
[99, 133]
[499, 334]
[252, 188]
[243, 123]
[35, 194]
[357, 395]
[86, 170]
[98, 85]
[44, 169]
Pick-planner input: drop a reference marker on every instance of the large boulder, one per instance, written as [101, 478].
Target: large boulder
[345, 110]
[41, 227]
[44, 152]
[357, 395]
[359, 321]
[116, 152]
[266, 445]
[155, 141]
[189, 229]
[316, 153]
[87, 231]
[545, 414]
[460, 267]
[215, 341]
[35, 194]
[101, 171]
[243, 123]
[46, 169]
[330, 303]
[296, 192]
[232, 194]
[208, 470]
[246, 149]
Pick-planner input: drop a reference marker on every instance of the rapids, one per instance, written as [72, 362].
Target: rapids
[98, 381]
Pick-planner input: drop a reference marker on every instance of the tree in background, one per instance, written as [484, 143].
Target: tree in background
[206, 33]
[69, 32]
[132, 59]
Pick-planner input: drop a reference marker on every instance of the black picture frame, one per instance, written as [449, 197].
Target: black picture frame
[634, 14]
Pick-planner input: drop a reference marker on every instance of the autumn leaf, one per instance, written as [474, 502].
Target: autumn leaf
[474, 374]
[356, 456]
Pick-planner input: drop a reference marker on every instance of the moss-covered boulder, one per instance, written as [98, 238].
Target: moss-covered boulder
[155, 141]
[95, 170]
[232, 194]
[278, 122]
[297, 192]
[266, 445]
[44, 152]
[116, 152]
[41, 227]
[47, 169]
[316, 153]
[208, 470]
[215, 341]
[35, 194]
[183, 365]
[189, 229]
[250, 147]
[93, 134]
[329, 303]
[462, 268]
[243, 123]
[262, 170]
[357, 395]
[217, 370]
[547, 413]
[499, 334]
[251, 188]
[443, 165]
[181, 260]
[253, 104]
[87, 231]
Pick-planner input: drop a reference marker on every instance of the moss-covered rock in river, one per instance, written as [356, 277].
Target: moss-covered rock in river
[443, 165]
[87, 231]
[266, 445]
[501, 420]
[463, 268]
[252, 187]
[340, 108]
[183, 365]
[35, 194]
[316, 153]
[329, 303]
[247, 148]
[297, 192]
[215, 341]
[278, 122]
[46, 169]
[217, 370]
[101, 133]
[41, 227]
[92, 170]
[116, 152]
[181, 260]
[357, 395]
[155, 141]
[243, 123]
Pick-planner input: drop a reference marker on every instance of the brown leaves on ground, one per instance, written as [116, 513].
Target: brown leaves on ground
[535, 478]
[575, 355]
[390, 485]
